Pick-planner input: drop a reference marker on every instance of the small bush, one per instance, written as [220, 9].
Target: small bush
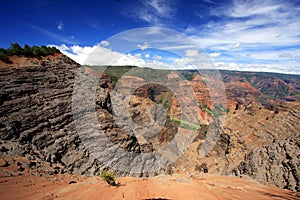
[186, 124]
[109, 177]
[4, 58]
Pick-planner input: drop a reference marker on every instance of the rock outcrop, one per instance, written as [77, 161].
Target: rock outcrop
[253, 141]
[36, 114]
[276, 164]
[39, 119]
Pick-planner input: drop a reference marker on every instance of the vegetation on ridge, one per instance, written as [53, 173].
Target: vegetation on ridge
[32, 52]
[148, 74]
[186, 124]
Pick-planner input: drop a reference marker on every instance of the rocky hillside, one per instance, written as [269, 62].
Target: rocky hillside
[262, 88]
[262, 109]
[276, 164]
[246, 130]
[81, 121]
[37, 120]
[36, 114]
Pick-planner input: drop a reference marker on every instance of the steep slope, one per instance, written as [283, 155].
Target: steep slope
[38, 121]
[36, 115]
[246, 129]
[275, 164]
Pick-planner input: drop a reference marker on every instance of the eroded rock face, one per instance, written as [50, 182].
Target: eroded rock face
[276, 164]
[38, 119]
[254, 141]
[36, 114]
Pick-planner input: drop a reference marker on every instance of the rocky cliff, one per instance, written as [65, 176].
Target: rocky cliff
[39, 122]
[36, 113]
[250, 136]
[275, 164]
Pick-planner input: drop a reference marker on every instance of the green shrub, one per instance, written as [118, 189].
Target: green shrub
[4, 57]
[109, 177]
[185, 124]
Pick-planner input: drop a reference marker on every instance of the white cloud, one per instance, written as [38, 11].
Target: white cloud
[257, 31]
[104, 43]
[241, 8]
[63, 47]
[251, 22]
[279, 68]
[286, 55]
[151, 11]
[98, 55]
[159, 6]
[236, 46]
[143, 46]
[77, 53]
[138, 55]
[60, 25]
[215, 54]
[157, 57]
[191, 53]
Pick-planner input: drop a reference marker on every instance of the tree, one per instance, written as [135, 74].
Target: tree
[28, 51]
[34, 51]
[16, 49]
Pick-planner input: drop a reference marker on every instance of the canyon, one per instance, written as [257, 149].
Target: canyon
[58, 118]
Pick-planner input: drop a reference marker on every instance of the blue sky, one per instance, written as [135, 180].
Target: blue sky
[239, 35]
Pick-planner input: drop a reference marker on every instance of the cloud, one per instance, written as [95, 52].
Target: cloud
[191, 53]
[143, 46]
[259, 32]
[215, 54]
[62, 47]
[236, 46]
[160, 7]
[104, 43]
[157, 57]
[60, 25]
[288, 55]
[278, 68]
[99, 55]
[241, 8]
[154, 12]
